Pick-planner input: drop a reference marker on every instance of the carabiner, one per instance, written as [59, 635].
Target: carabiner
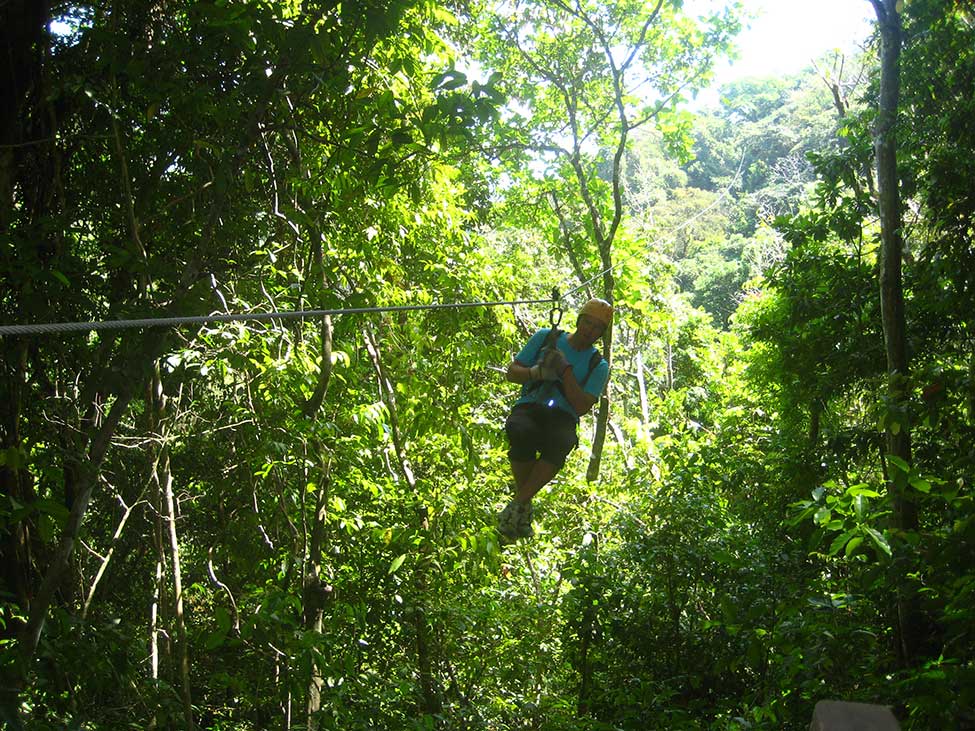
[555, 316]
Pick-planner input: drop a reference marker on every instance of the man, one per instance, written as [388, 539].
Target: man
[561, 382]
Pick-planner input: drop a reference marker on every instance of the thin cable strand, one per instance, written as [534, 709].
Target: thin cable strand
[685, 224]
[64, 327]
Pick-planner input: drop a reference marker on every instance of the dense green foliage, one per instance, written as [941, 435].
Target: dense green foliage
[291, 523]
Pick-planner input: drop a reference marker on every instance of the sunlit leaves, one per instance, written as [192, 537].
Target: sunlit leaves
[397, 562]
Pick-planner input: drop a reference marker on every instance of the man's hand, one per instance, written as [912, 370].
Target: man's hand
[541, 372]
[554, 360]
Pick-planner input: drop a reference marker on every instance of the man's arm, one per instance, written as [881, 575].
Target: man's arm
[581, 401]
[518, 372]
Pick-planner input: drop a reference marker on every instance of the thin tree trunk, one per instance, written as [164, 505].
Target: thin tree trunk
[566, 229]
[587, 630]
[16, 483]
[314, 591]
[585, 669]
[111, 551]
[157, 612]
[834, 84]
[52, 579]
[971, 385]
[815, 416]
[432, 702]
[157, 601]
[910, 633]
[669, 355]
[163, 477]
[183, 652]
[642, 383]
[602, 418]
[315, 594]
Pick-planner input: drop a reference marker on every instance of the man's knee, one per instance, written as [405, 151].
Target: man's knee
[521, 426]
[559, 442]
[555, 456]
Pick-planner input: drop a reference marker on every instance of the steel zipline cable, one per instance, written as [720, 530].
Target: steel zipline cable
[67, 327]
[673, 232]
[555, 300]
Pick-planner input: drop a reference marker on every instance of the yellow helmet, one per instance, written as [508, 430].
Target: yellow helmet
[599, 310]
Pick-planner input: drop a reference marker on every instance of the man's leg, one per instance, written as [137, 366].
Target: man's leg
[539, 476]
[521, 471]
[530, 431]
[524, 440]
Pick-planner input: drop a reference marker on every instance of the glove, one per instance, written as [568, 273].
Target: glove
[555, 360]
[540, 372]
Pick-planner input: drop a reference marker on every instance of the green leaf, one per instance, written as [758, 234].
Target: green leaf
[397, 562]
[920, 484]
[222, 618]
[861, 489]
[54, 508]
[214, 640]
[728, 609]
[823, 516]
[217, 637]
[13, 458]
[840, 541]
[45, 527]
[898, 463]
[858, 505]
[853, 545]
[879, 540]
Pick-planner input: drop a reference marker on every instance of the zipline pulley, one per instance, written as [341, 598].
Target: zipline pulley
[555, 316]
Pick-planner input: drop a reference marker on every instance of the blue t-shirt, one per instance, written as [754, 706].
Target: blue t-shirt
[547, 393]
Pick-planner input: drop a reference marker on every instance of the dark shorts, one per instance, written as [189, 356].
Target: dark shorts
[535, 430]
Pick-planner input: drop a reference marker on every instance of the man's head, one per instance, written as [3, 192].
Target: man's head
[594, 317]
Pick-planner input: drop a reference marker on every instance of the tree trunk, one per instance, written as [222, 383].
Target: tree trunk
[905, 517]
[432, 701]
[52, 579]
[585, 667]
[602, 418]
[815, 418]
[157, 611]
[642, 383]
[111, 551]
[669, 355]
[971, 385]
[163, 478]
[315, 594]
[587, 632]
[23, 37]
[15, 480]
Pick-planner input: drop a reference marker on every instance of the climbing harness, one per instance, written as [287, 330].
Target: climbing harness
[551, 341]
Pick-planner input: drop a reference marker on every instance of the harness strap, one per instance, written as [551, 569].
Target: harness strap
[551, 341]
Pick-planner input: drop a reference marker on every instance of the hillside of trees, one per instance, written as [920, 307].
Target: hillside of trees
[291, 522]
